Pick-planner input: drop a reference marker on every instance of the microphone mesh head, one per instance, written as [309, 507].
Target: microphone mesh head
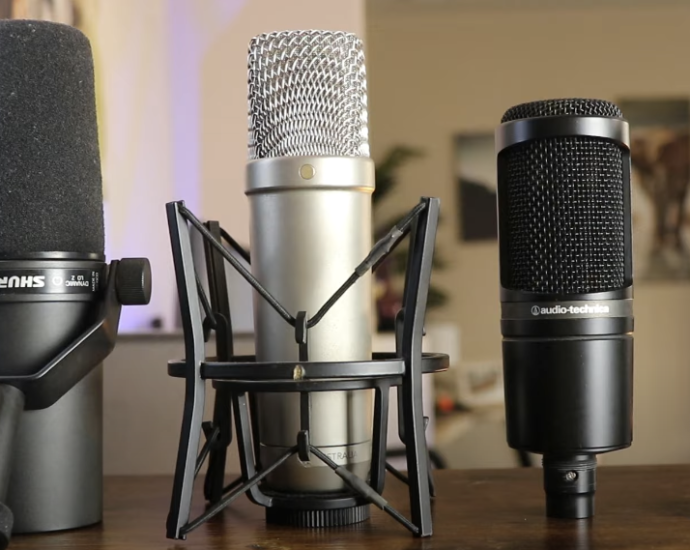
[51, 197]
[563, 107]
[307, 95]
[563, 218]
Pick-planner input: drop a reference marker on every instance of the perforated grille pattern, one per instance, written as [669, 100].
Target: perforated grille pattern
[563, 107]
[307, 95]
[565, 222]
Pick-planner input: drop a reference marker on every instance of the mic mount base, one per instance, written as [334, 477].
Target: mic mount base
[237, 380]
[314, 519]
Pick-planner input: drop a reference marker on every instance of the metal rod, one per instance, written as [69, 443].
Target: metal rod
[236, 246]
[378, 253]
[230, 486]
[222, 407]
[236, 493]
[397, 516]
[365, 490]
[422, 241]
[205, 450]
[397, 473]
[195, 386]
[208, 310]
[275, 304]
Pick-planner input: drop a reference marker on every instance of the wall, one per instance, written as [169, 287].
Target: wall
[438, 71]
[133, 76]
[143, 405]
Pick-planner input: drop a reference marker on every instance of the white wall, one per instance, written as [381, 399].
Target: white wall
[143, 405]
[133, 73]
[437, 72]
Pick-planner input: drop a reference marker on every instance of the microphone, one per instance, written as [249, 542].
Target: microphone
[565, 245]
[309, 182]
[59, 301]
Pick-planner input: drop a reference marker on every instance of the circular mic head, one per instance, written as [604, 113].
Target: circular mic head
[307, 95]
[563, 107]
[51, 197]
[564, 205]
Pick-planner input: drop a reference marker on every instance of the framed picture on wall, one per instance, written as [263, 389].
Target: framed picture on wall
[475, 175]
[660, 151]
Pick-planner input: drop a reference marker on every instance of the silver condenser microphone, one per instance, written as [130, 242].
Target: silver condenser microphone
[310, 181]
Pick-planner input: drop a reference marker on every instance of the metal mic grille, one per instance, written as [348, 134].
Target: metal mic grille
[563, 219]
[307, 95]
[563, 107]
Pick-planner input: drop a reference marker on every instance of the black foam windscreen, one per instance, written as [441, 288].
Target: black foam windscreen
[51, 197]
[563, 207]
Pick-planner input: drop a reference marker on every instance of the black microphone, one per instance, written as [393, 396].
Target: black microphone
[59, 300]
[566, 290]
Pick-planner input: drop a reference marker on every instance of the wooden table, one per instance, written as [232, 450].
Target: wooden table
[638, 508]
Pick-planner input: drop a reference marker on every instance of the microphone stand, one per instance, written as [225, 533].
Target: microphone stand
[11, 408]
[242, 376]
[45, 387]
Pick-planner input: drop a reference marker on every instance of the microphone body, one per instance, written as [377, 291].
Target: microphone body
[311, 226]
[45, 304]
[59, 300]
[57, 480]
[309, 182]
[566, 290]
[11, 408]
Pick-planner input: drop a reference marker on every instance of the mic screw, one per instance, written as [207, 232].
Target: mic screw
[570, 476]
[298, 372]
[307, 171]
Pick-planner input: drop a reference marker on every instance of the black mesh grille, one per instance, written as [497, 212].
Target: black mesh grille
[563, 107]
[563, 216]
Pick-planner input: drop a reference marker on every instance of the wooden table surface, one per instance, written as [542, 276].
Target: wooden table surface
[637, 508]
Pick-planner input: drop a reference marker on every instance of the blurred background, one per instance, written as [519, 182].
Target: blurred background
[171, 79]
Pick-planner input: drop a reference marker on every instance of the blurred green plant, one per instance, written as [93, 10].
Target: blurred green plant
[387, 173]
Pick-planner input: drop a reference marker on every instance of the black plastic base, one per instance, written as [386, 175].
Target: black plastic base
[570, 506]
[6, 522]
[569, 395]
[315, 519]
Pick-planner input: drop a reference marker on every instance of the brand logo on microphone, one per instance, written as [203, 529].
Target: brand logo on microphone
[340, 455]
[17, 282]
[572, 310]
[25, 281]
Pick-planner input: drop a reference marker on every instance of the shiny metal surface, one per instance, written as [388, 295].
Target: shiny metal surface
[57, 478]
[523, 130]
[307, 95]
[307, 236]
[312, 476]
[310, 172]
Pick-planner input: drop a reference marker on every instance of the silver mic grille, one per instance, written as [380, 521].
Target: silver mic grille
[307, 95]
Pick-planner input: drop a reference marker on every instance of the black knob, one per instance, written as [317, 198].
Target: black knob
[133, 281]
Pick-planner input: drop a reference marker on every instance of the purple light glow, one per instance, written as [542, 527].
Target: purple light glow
[159, 170]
